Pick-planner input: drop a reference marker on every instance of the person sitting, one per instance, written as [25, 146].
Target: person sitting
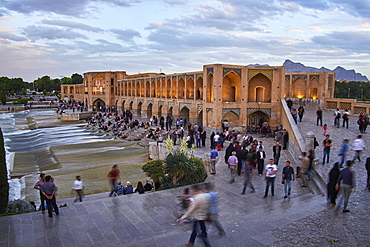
[129, 189]
[119, 189]
[148, 186]
[140, 188]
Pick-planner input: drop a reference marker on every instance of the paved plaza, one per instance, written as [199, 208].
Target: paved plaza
[303, 219]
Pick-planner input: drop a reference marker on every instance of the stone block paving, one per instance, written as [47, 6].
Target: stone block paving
[150, 219]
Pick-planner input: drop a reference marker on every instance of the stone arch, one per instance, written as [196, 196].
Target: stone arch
[199, 89]
[259, 80]
[232, 118]
[149, 110]
[169, 88]
[97, 104]
[174, 87]
[200, 118]
[190, 88]
[254, 118]
[184, 114]
[299, 88]
[147, 89]
[181, 89]
[138, 89]
[123, 106]
[313, 88]
[158, 90]
[142, 89]
[209, 118]
[128, 89]
[231, 88]
[170, 112]
[160, 108]
[210, 89]
[139, 106]
[164, 91]
[152, 89]
[130, 105]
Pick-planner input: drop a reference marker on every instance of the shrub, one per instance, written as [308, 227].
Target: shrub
[19, 206]
[154, 170]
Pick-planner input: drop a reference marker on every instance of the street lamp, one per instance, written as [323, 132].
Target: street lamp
[349, 92]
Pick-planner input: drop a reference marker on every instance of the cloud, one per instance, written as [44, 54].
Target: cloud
[126, 35]
[72, 24]
[358, 42]
[10, 36]
[102, 46]
[63, 7]
[39, 32]
[354, 7]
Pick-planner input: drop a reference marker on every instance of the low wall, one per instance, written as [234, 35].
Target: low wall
[296, 143]
[347, 104]
[74, 116]
[11, 108]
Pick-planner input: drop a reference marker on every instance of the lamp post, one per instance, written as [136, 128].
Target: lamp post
[349, 92]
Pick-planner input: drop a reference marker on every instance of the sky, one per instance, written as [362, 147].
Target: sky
[60, 38]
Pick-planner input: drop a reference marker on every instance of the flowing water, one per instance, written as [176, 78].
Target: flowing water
[61, 149]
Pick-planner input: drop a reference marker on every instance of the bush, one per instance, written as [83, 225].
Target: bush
[19, 206]
[154, 170]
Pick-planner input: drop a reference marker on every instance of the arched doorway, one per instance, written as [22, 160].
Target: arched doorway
[149, 110]
[160, 111]
[170, 112]
[98, 105]
[123, 106]
[259, 94]
[255, 118]
[200, 118]
[130, 107]
[232, 118]
[139, 109]
[184, 114]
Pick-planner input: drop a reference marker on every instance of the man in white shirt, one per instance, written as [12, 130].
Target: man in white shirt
[358, 146]
[232, 163]
[78, 186]
[270, 175]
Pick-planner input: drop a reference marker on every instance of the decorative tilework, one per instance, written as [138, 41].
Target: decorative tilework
[187, 105]
[181, 77]
[174, 77]
[313, 76]
[160, 103]
[266, 72]
[209, 71]
[97, 74]
[236, 71]
[152, 79]
[287, 77]
[168, 77]
[189, 76]
[226, 110]
[304, 77]
[209, 109]
[200, 108]
[199, 76]
[150, 102]
[253, 110]
[140, 101]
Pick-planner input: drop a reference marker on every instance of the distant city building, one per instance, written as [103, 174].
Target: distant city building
[243, 95]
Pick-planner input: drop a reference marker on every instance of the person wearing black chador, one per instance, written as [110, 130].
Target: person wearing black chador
[333, 177]
[228, 152]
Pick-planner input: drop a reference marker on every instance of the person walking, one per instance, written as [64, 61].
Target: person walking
[294, 113]
[305, 164]
[343, 152]
[248, 177]
[213, 208]
[48, 189]
[213, 159]
[358, 146]
[327, 143]
[333, 178]
[285, 139]
[287, 177]
[300, 112]
[337, 116]
[319, 117]
[261, 155]
[276, 150]
[367, 167]
[198, 209]
[346, 185]
[270, 175]
[233, 166]
[38, 187]
[345, 118]
[78, 187]
[113, 176]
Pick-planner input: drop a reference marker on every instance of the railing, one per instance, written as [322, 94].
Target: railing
[347, 104]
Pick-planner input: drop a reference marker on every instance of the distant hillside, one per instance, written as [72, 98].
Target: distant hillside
[341, 73]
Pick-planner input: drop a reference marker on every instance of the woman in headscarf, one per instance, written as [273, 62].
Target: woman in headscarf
[333, 177]
[139, 188]
[367, 166]
[228, 152]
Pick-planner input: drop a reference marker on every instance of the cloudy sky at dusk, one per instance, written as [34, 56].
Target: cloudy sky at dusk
[59, 38]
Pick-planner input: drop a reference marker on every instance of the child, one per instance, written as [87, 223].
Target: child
[325, 128]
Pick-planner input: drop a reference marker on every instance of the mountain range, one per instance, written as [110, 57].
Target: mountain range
[341, 73]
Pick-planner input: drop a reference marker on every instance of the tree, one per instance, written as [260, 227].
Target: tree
[77, 79]
[66, 80]
[2, 97]
[4, 186]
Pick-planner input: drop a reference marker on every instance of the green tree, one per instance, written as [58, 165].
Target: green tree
[4, 186]
[66, 80]
[154, 170]
[2, 97]
[77, 79]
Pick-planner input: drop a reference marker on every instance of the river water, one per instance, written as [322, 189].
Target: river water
[18, 140]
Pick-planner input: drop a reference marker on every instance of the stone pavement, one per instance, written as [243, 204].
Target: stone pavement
[249, 220]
